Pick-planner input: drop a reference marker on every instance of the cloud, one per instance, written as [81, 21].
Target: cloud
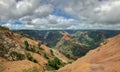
[12, 9]
[53, 22]
[43, 10]
[109, 12]
[94, 11]
[78, 14]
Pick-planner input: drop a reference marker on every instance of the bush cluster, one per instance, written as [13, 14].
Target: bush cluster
[30, 47]
[4, 28]
[54, 64]
[16, 55]
[29, 57]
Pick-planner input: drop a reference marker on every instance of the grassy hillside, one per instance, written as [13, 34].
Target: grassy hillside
[20, 49]
[52, 37]
[79, 43]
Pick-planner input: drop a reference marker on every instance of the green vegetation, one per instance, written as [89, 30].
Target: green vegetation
[16, 55]
[30, 47]
[4, 28]
[45, 55]
[3, 50]
[29, 57]
[13, 55]
[26, 45]
[72, 49]
[32, 69]
[70, 61]
[54, 64]
[91, 39]
[66, 50]
[89, 42]
[51, 51]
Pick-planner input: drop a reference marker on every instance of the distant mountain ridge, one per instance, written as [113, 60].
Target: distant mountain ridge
[79, 41]
[53, 36]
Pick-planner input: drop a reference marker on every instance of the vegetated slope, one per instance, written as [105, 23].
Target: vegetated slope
[60, 56]
[79, 43]
[69, 46]
[90, 38]
[18, 51]
[51, 37]
[105, 58]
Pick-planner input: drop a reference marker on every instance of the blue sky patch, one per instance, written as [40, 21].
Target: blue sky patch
[17, 22]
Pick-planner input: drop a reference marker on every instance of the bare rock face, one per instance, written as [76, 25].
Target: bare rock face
[105, 58]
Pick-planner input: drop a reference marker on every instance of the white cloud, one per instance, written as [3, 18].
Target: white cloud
[43, 10]
[109, 13]
[94, 11]
[38, 14]
[11, 9]
[53, 22]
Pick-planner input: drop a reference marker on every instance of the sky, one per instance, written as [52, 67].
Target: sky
[60, 14]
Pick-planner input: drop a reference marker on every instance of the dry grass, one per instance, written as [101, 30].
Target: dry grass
[1, 68]
[32, 69]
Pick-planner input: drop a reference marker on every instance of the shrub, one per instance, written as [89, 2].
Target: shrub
[45, 55]
[4, 28]
[51, 51]
[54, 64]
[31, 48]
[16, 56]
[29, 57]
[3, 50]
[26, 45]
